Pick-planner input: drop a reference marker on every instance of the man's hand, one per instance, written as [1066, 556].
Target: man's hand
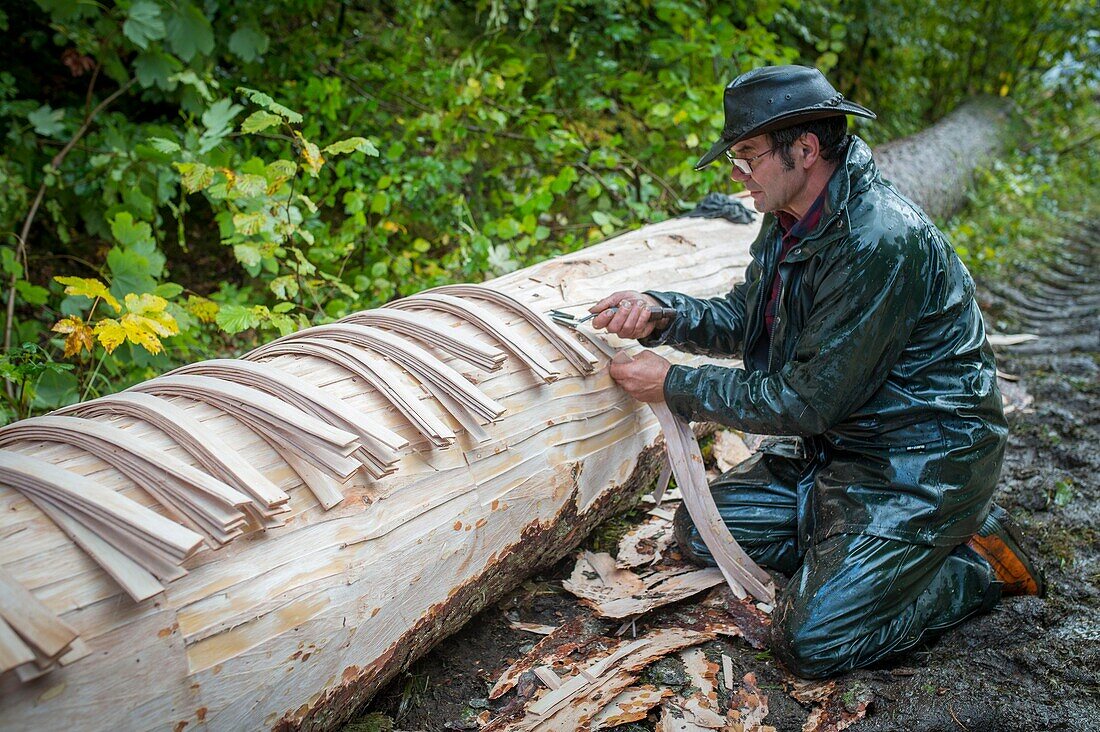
[632, 320]
[642, 377]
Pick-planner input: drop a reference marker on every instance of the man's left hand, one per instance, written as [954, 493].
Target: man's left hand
[642, 377]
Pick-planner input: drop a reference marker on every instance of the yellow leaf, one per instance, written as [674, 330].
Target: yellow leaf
[88, 288]
[311, 154]
[78, 336]
[203, 309]
[145, 304]
[110, 334]
[1004, 90]
[143, 332]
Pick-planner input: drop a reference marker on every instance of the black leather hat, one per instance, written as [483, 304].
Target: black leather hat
[775, 97]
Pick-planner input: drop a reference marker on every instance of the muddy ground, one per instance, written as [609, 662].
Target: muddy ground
[1031, 664]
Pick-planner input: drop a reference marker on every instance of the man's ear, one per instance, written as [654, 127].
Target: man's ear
[811, 149]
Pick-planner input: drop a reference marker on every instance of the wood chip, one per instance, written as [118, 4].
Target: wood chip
[581, 636]
[548, 676]
[845, 706]
[729, 450]
[532, 627]
[645, 544]
[727, 671]
[629, 705]
[575, 704]
[1010, 339]
[748, 708]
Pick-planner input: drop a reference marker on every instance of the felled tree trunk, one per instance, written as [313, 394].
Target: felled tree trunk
[360, 569]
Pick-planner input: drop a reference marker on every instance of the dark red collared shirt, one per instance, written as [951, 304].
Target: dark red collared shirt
[793, 232]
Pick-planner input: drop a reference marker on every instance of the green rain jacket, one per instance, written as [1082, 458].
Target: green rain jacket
[878, 359]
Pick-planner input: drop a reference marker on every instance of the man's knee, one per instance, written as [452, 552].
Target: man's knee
[794, 642]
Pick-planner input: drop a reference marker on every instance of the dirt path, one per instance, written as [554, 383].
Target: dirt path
[1029, 665]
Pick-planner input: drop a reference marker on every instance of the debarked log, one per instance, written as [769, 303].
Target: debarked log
[345, 534]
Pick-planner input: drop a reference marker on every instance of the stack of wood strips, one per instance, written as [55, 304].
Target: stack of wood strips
[488, 322]
[212, 454]
[425, 329]
[199, 501]
[573, 352]
[466, 403]
[317, 451]
[379, 445]
[33, 640]
[374, 371]
[136, 546]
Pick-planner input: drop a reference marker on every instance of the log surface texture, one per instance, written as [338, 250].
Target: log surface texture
[296, 625]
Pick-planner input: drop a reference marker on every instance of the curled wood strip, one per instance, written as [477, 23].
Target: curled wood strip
[422, 364]
[113, 525]
[573, 352]
[211, 452]
[740, 571]
[199, 500]
[491, 324]
[375, 372]
[423, 328]
[318, 442]
[378, 452]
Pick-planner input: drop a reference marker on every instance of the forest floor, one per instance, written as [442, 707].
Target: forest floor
[1031, 664]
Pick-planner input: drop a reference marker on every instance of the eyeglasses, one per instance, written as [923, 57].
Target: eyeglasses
[745, 164]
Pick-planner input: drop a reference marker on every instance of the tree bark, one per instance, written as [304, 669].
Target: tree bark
[296, 626]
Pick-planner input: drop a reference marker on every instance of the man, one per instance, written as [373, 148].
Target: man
[860, 335]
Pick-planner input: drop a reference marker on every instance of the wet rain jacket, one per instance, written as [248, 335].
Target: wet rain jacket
[878, 360]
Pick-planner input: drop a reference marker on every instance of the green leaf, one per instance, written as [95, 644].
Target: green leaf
[250, 185]
[143, 23]
[217, 119]
[285, 287]
[164, 145]
[283, 307]
[9, 263]
[135, 269]
[248, 254]
[155, 67]
[32, 294]
[258, 97]
[259, 121]
[195, 176]
[130, 234]
[249, 224]
[352, 144]
[189, 32]
[236, 318]
[168, 290]
[46, 121]
[1063, 493]
[249, 43]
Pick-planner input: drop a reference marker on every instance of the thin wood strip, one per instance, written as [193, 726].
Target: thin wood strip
[13, 651]
[581, 358]
[325, 446]
[386, 380]
[322, 486]
[201, 500]
[22, 471]
[741, 572]
[414, 359]
[39, 626]
[423, 328]
[138, 582]
[195, 438]
[303, 395]
[491, 324]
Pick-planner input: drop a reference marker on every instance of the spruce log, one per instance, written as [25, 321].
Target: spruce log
[296, 626]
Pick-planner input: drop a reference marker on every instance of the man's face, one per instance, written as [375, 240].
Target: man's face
[771, 185]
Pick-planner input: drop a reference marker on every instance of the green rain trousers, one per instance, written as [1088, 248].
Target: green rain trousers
[853, 599]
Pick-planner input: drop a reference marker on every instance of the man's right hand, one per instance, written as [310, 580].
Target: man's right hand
[632, 320]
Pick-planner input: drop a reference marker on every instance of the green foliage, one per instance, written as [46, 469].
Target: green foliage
[258, 167]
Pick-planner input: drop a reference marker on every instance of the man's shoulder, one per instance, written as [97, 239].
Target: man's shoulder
[882, 217]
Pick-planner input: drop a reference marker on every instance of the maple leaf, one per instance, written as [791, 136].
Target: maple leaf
[78, 336]
[89, 287]
[110, 333]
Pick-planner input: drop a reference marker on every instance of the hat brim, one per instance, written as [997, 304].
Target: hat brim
[786, 120]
